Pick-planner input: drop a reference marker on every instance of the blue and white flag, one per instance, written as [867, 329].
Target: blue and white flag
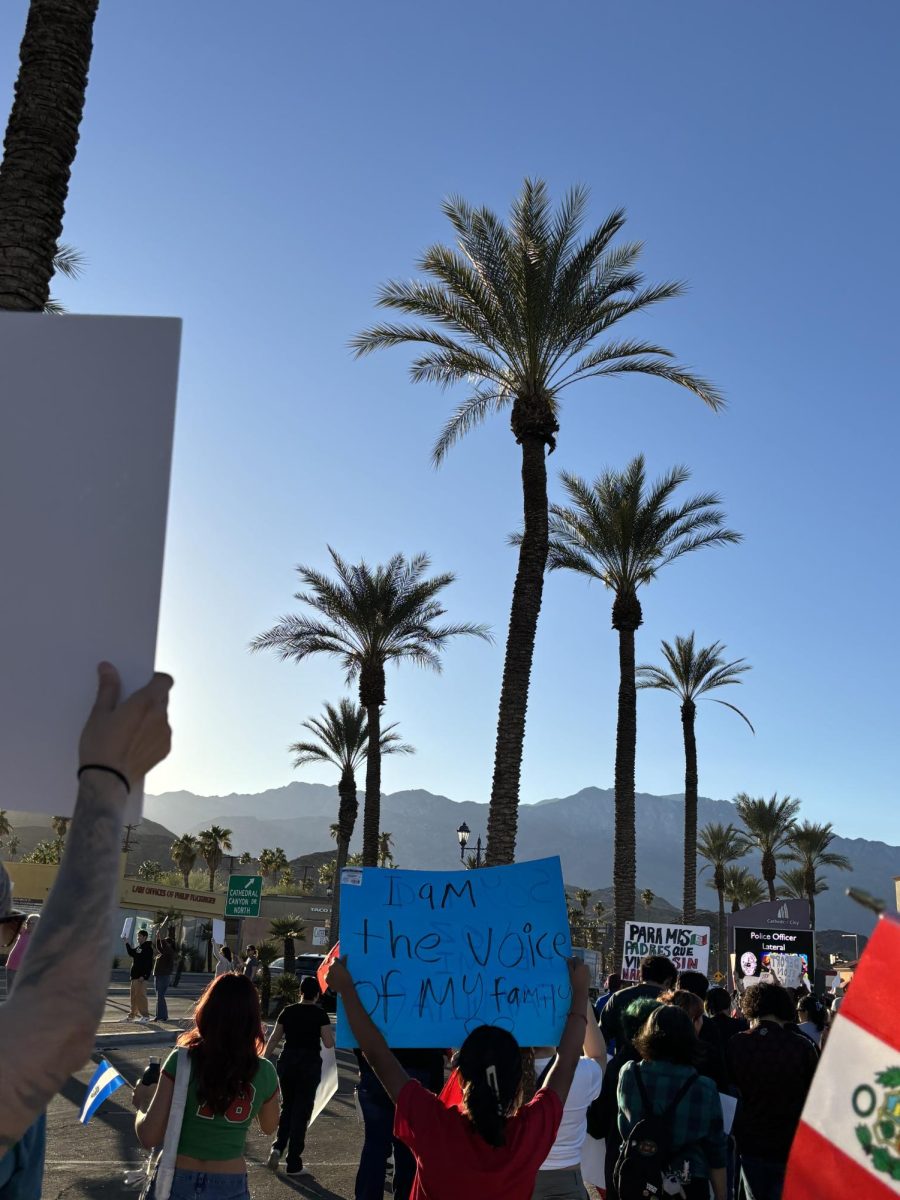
[106, 1080]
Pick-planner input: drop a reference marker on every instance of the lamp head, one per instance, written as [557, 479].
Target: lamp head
[463, 834]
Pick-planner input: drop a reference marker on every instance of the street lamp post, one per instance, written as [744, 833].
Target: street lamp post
[463, 835]
[855, 937]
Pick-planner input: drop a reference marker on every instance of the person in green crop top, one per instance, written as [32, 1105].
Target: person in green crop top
[230, 1084]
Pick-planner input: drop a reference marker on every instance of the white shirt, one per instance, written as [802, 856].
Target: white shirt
[566, 1150]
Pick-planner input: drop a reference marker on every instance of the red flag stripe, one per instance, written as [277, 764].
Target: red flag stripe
[871, 1000]
[819, 1171]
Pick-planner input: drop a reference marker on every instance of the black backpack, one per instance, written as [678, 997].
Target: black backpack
[648, 1151]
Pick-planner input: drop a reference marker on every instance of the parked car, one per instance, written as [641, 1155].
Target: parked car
[307, 964]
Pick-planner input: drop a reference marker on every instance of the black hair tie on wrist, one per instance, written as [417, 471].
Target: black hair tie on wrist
[108, 770]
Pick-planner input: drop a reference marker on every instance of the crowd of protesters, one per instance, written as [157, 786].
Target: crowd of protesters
[702, 1094]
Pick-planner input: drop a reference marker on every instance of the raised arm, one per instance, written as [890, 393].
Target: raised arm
[568, 1052]
[594, 1041]
[40, 1046]
[374, 1047]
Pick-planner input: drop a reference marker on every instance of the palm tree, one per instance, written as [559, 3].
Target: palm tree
[184, 851]
[40, 146]
[211, 843]
[621, 532]
[341, 738]
[520, 311]
[385, 849]
[647, 898]
[794, 885]
[770, 824]
[808, 846]
[368, 617]
[245, 859]
[583, 896]
[60, 826]
[721, 845]
[12, 845]
[327, 876]
[287, 928]
[5, 827]
[266, 952]
[265, 862]
[742, 889]
[689, 674]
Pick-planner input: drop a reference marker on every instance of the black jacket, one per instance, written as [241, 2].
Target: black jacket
[141, 960]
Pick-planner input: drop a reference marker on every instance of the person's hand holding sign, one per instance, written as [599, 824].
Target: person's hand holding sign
[126, 740]
[338, 977]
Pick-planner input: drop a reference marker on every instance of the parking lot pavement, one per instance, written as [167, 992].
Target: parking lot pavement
[90, 1160]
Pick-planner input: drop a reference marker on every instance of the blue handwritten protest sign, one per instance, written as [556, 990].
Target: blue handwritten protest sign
[435, 954]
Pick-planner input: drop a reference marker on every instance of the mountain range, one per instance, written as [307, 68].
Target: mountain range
[578, 828]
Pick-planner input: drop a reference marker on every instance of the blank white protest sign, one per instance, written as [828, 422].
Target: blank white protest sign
[87, 410]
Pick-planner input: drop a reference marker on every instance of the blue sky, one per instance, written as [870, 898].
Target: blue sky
[260, 169]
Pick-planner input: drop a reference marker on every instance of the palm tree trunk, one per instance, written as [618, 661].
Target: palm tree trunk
[811, 895]
[372, 810]
[523, 618]
[721, 930]
[769, 871]
[626, 619]
[347, 811]
[689, 901]
[40, 146]
[186, 876]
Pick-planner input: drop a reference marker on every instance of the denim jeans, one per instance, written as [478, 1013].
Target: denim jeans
[378, 1122]
[162, 986]
[761, 1179]
[200, 1185]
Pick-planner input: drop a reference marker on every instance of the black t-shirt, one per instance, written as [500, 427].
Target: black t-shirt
[303, 1025]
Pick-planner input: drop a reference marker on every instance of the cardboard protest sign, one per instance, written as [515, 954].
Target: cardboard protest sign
[788, 969]
[686, 945]
[435, 954]
[88, 414]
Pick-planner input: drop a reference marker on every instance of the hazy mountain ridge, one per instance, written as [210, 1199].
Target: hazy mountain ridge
[578, 828]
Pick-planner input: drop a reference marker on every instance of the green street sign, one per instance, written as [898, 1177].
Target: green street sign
[244, 895]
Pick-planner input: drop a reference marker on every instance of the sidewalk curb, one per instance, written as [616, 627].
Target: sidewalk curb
[111, 1041]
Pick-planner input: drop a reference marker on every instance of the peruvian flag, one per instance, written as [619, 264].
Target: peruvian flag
[848, 1141]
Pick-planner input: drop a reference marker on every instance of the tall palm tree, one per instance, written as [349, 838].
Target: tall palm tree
[742, 888]
[692, 672]
[520, 311]
[245, 859]
[721, 845]
[287, 928]
[40, 146]
[769, 824]
[808, 845]
[211, 844]
[184, 851]
[368, 617]
[621, 532]
[341, 738]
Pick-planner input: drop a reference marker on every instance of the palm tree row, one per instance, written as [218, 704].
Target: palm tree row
[771, 827]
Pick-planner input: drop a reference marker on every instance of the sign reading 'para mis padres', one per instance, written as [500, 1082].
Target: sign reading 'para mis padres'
[435, 954]
[686, 945]
[244, 896]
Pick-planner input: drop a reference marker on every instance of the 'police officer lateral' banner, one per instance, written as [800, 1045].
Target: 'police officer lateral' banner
[434, 954]
[686, 945]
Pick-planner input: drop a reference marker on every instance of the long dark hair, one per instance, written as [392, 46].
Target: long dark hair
[490, 1067]
[226, 1041]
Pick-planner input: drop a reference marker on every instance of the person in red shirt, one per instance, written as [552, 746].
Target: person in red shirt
[490, 1145]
